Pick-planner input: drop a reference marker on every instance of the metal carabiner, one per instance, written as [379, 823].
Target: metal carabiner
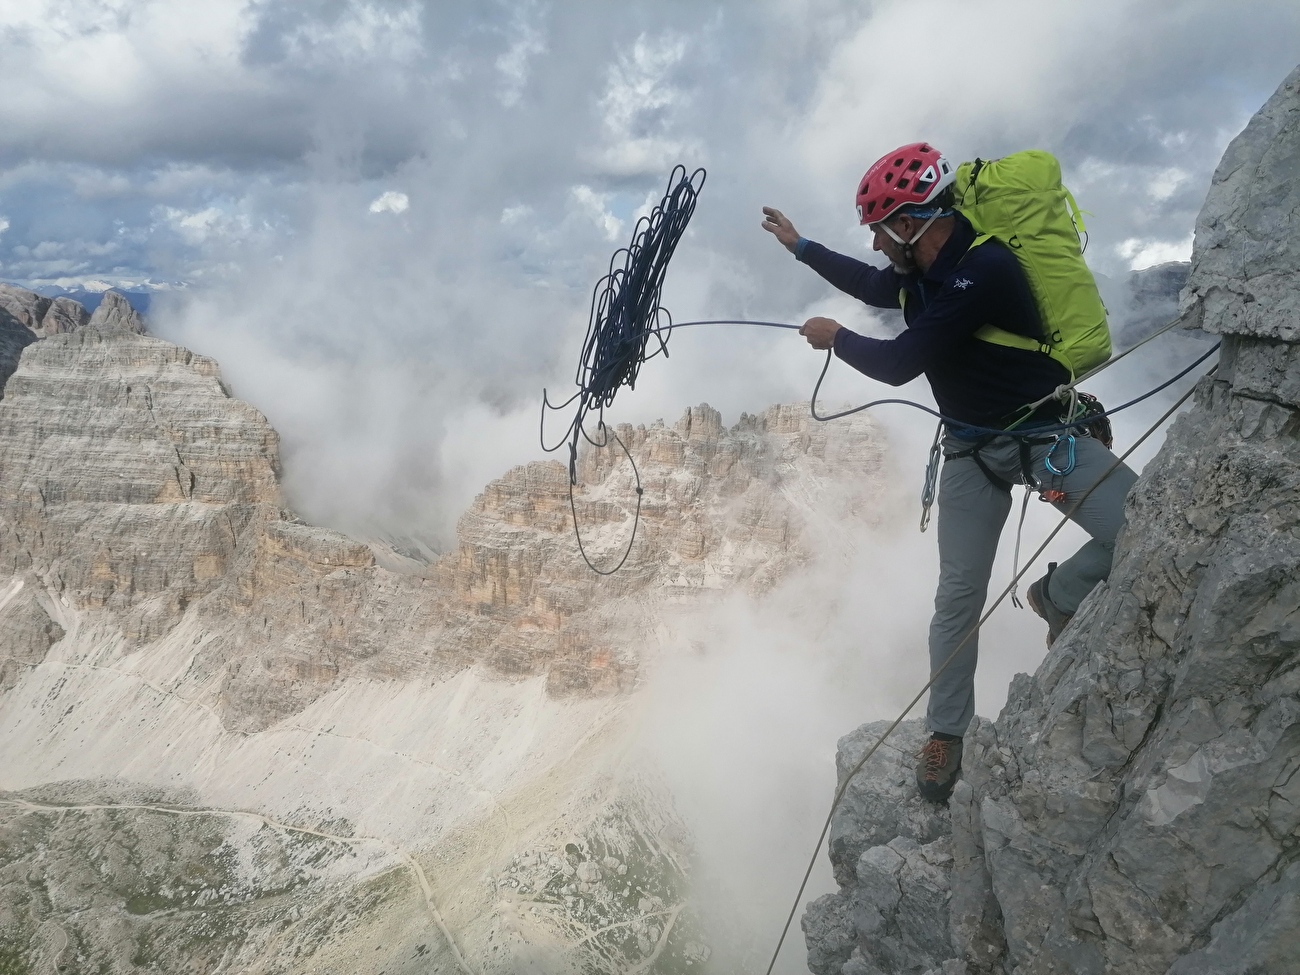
[1069, 461]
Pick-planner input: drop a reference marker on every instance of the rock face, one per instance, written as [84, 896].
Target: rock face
[115, 311]
[53, 316]
[66, 315]
[14, 337]
[1244, 260]
[26, 307]
[892, 854]
[26, 316]
[1136, 807]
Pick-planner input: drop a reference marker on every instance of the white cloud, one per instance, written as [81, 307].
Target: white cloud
[1167, 182]
[4, 225]
[362, 32]
[527, 41]
[1142, 253]
[390, 201]
[241, 144]
[195, 227]
[596, 206]
[637, 106]
[515, 214]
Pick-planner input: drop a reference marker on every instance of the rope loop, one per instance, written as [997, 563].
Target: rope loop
[624, 318]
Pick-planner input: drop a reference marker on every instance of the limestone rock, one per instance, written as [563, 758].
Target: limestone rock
[169, 627]
[45, 316]
[27, 307]
[63, 315]
[1136, 807]
[14, 337]
[129, 471]
[115, 311]
[892, 855]
[1247, 244]
[1260, 936]
[28, 632]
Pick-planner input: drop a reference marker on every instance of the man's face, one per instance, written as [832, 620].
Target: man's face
[881, 241]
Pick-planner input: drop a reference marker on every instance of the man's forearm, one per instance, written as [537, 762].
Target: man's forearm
[864, 282]
[890, 361]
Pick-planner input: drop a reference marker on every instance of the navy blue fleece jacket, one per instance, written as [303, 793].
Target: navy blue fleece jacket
[975, 382]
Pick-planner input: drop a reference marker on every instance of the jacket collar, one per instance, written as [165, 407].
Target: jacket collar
[949, 256]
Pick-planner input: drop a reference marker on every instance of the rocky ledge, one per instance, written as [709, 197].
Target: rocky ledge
[1136, 806]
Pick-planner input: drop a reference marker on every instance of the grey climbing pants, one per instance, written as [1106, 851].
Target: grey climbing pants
[972, 511]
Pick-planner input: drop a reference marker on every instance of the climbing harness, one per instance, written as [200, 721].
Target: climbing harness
[858, 766]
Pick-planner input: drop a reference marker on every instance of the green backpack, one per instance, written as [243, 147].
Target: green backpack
[1019, 200]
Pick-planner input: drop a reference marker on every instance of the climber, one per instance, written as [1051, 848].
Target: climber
[948, 290]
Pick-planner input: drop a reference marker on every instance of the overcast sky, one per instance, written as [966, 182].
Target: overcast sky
[384, 218]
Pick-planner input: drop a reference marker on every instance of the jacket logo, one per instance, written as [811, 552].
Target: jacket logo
[962, 283]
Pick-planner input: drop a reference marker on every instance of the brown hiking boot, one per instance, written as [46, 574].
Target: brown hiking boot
[937, 768]
[1041, 603]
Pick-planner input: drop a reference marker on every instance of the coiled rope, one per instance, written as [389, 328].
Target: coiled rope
[625, 315]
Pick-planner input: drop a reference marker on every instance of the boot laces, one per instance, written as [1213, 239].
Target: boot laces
[935, 756]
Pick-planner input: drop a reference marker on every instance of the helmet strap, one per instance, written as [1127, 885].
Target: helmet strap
[917, 236]
[908, 246]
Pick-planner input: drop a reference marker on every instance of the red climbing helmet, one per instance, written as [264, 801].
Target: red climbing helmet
[914, 174]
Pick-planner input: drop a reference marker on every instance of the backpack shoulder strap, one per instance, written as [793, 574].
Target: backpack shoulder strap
[1000, 336]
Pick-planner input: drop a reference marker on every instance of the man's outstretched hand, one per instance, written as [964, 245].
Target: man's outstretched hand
[820, 332]
[779, 226]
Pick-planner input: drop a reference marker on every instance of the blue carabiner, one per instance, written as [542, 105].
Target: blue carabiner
[1069, 463]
